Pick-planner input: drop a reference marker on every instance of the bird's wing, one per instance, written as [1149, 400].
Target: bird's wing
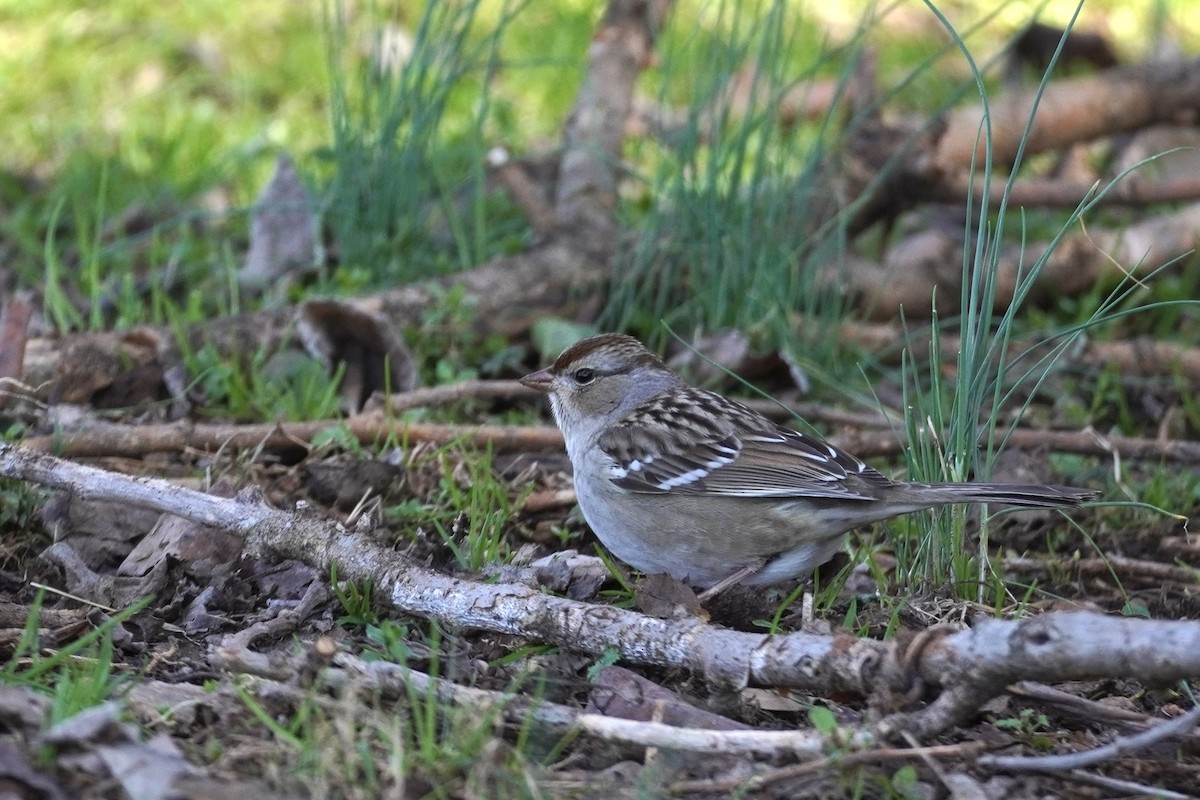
[714, 446]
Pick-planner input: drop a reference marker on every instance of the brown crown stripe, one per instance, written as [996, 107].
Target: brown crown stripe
[618, 342]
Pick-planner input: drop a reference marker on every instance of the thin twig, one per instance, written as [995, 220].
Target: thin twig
[1080, 708]
[428, 396]
[521, 188]
[1121, 746]
[1107, 566]
[1131, 190]
[840, 760]
[132, 441]
[1145, 356]
[1130, 788]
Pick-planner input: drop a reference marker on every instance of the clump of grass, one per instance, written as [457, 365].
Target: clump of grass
[484, 510]
[20, 505]
[77, 675]
[955, 432]
[288, 386]
[744, 229]
[404, 135]
[421, 744]
[943, 423]
[470, 508]
[726, 241]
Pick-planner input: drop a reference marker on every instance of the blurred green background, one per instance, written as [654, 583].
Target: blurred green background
[137, 134]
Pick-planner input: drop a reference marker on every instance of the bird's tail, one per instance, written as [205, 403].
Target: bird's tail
[1030, 495]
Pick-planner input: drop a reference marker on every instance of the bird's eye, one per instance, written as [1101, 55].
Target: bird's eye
[584, 376]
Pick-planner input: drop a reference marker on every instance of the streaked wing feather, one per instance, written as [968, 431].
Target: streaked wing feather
[743, 455]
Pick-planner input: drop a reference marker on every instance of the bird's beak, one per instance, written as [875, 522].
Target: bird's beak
[539, 381]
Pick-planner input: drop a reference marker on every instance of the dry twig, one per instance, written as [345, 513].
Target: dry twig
[1121, 746]
[106, 439]
[1108, 566]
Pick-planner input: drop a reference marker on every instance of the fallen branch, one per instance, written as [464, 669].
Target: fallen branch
[235, 652]
[1142, 356]
[1070, 110]
[968, 666]
[99, 440]
[893, 166]
[885, 443]
[841, 760]
[1109, 566]
[806, 744]
[1130, 190]
[1085, 711]
[928, 265]
[132, 441]
[381, 676]
[1119, 788]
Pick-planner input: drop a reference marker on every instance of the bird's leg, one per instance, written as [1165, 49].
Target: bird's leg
[736, 577]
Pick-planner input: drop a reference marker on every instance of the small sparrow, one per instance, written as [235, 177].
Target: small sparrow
[683, 481]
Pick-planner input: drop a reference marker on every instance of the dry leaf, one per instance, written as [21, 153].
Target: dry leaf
[619, 692]
[205, 550]
[664, 597]
[375, 359]
[282, 229]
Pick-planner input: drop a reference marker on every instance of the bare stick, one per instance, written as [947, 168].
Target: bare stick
[586, 200]
[842, 760]
[1131, 190]
[132, 441]
[802, 744]
[1143, 356]
[1119, 747]
[455, 392]
[369, 428]
[1109, 565]
[1129, 788]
